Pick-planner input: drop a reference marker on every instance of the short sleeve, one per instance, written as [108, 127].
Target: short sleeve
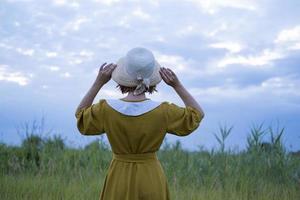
[90, 120]
[182, 121]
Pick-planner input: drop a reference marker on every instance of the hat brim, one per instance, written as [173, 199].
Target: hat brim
[120, 76]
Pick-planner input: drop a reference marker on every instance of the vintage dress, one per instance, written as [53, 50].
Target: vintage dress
[135, 130]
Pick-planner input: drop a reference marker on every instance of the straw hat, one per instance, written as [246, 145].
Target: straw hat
[138, 68]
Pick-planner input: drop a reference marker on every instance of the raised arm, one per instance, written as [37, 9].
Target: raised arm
[103, 77]
[171, 79]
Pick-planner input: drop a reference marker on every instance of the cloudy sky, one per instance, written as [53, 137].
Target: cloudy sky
[239, 58]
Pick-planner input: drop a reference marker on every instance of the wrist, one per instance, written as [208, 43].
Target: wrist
[98, 83]
[178, 86]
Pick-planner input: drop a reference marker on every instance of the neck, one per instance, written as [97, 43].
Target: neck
[137, 97]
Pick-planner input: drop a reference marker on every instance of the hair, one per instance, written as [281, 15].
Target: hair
[125, 89]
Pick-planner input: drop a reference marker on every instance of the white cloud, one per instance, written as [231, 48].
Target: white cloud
[26, 52]
[66, 75]
[289, 38]
[54, 68]
[274, 87]
[233, 47]
[124, 21]
[138, 12]
[180, 65]
[285, 41]
[264, 58]
[25, 1]
[72, 4]
[17, 24]
[187, 30]
[59, 2]
[282, 86]
[6, 46]
[174, 62]
[45, 86]
[51, 54]
[295, 46]
[86, 53]
[75, 61]
[76, 58]
[75, 5]
[159, 38]
[213, 6]
[219, 29]
[107, 2]
[75, 24]
[12, 76]
[287, 35]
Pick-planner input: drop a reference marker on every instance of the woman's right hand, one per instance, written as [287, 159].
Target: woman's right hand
[169, 77]
[105, 71]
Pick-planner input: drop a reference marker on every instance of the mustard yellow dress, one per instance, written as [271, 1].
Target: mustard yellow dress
[135, 173]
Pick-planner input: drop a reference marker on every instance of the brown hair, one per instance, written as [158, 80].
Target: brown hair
[125, 89]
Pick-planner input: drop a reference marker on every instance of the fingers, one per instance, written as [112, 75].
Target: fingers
[170, 71]
[102, 66]
[111, 67]
[164, 74]
[108, 68]
[170, 74]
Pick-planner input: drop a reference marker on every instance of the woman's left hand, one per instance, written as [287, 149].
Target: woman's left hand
[105, 72]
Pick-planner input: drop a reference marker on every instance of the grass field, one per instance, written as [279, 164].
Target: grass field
[45, 168]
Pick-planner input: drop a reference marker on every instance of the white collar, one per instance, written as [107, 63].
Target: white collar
[132, 108]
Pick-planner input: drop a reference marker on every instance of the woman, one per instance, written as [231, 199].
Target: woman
[136, 125]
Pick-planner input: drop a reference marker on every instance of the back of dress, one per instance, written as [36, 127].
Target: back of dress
[135, 131]
[137, 127]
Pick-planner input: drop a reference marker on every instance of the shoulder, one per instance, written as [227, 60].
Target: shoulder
[99, 104]
[170, 105]
[103, 102]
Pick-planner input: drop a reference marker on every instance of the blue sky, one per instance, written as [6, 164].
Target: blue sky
[239, 58]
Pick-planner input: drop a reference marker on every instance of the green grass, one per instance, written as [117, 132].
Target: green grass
[88, 187]
[50, 187]
[45, 168]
